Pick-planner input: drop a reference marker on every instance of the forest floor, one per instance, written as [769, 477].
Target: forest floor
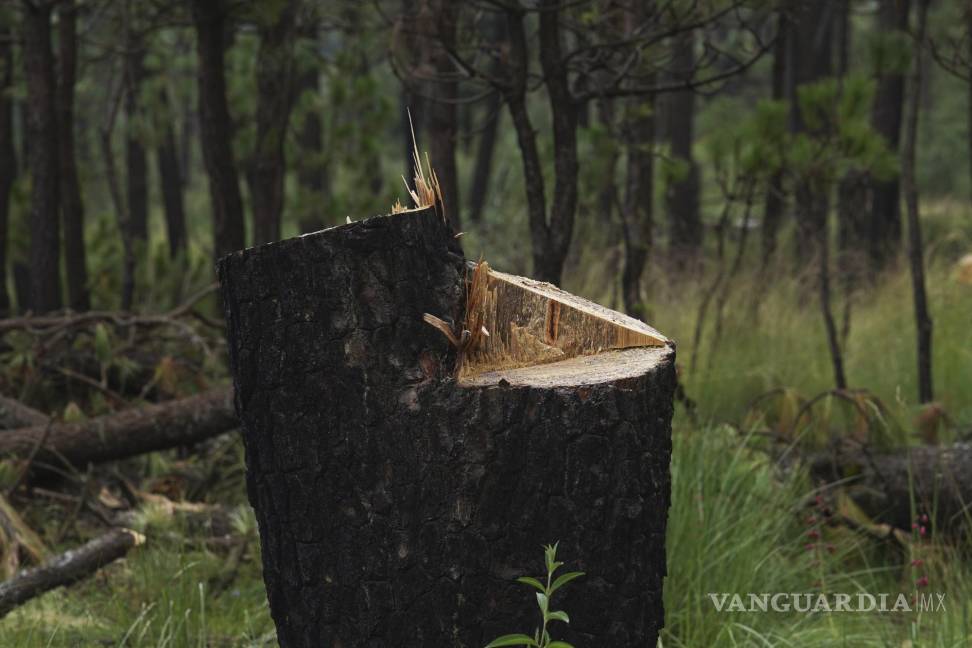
[737, 524]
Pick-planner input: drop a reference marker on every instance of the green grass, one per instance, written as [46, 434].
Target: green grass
[736, 526]
[158, 596]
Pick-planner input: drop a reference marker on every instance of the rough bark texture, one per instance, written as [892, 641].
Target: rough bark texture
[217, 128]
[68, 568]
[126, 433]
[396, 506]
[45, 231]
[8, 156]
[72, 208]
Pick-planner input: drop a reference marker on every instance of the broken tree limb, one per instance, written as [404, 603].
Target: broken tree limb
[14, 414]
[67, 568]
[127, 433]
[396, 503]
[897, 488]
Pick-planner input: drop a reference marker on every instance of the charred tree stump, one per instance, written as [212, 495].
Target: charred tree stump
[399, 497]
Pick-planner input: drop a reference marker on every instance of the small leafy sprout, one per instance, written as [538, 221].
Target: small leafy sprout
[541, 637]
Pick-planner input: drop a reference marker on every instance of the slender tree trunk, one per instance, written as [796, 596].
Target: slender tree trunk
[135, 158]
[923, 321]
[45, 239]
[637, 212]
[72, 207]
[167, 159]
[810, 59]
[275, 94]
[484, 158]
[122, 217]
[8, 155]
[217, 130]
[312, 171]
[773, 210]
[563, 109]
[442, 124]
[884, 236]
[682, 195]
[851, 198]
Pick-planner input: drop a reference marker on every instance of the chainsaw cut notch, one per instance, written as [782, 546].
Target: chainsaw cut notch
[529, 322]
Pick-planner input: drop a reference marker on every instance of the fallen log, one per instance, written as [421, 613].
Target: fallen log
[127, 433]
[898, 488]
[67, 568]
[14, 414]
[402, 478]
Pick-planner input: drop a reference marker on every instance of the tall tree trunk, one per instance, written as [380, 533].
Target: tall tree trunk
[217, 129]
[637, 212]
[810, 61]
[923, 321]
[413, 103]
[135, 157]
[884, 236]
[442, 124]
[275, 94]
[482, 170]
[8, 154]
[851, 197]
[682, 195]
[312, 171]
[72, 207]
[170, 182]
[45, 238]
[773, 209]
[560, 230]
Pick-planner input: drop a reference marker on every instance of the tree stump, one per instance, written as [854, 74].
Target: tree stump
[398, 497]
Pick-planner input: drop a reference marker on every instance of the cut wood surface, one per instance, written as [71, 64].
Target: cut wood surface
[530, 322]
[127, 433]
[67, 568]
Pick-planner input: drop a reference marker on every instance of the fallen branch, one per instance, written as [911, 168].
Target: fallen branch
[14, 414]
[897, 487]
[127, 433]
[67, 568]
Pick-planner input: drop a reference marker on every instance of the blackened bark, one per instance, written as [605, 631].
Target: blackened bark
[442, 124]
[275, 97]
[72, 207]
[483, 168]
[45, 231]
[136, 175]
[217, 129]
[884, 236]
[8, 155]
[170, 182]
[395, 505]
[916, 250]
[682, 195]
